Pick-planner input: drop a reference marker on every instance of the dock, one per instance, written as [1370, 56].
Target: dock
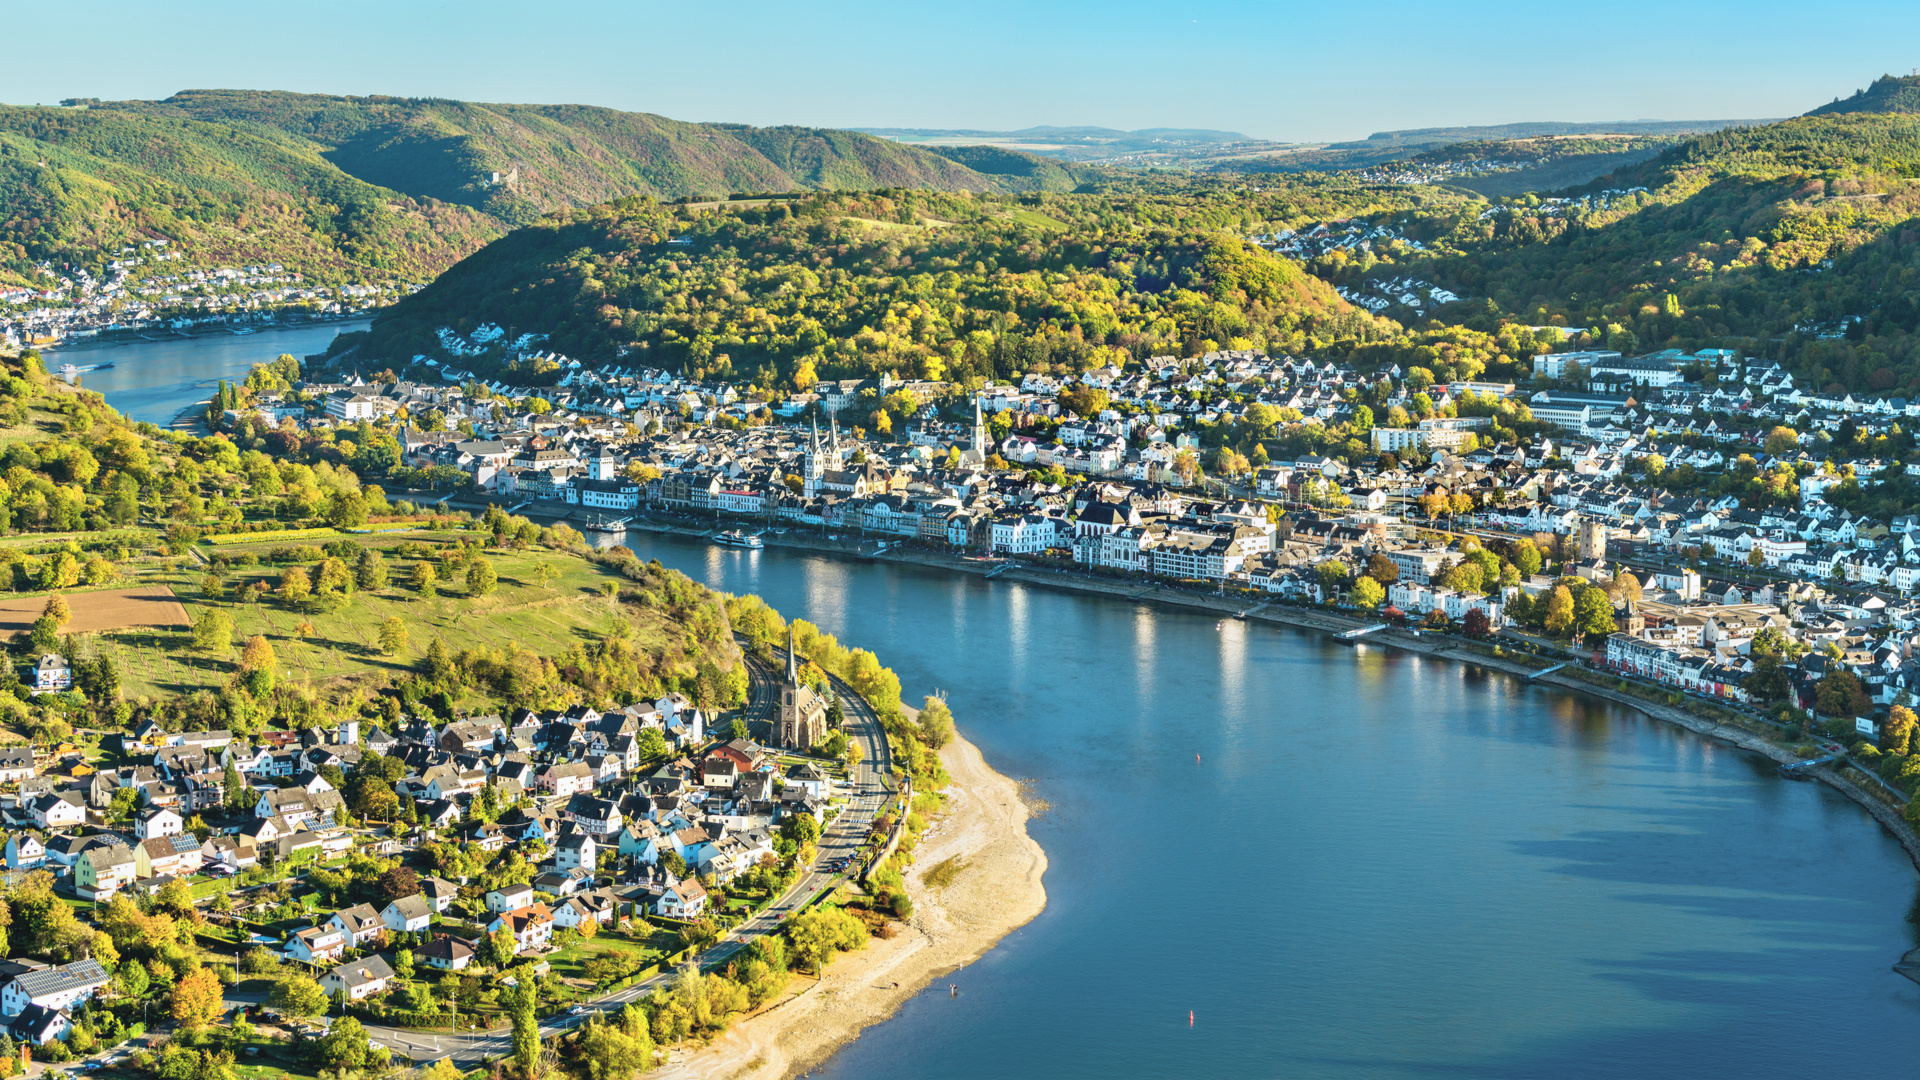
[1359, 632]
[1547, 671]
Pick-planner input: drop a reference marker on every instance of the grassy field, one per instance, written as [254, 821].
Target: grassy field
[344, 643]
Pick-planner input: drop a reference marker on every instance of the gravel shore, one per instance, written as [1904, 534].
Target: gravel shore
[998, 891]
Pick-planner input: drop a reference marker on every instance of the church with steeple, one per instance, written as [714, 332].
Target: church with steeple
[801, 723]
[821, 459]
[977, 449]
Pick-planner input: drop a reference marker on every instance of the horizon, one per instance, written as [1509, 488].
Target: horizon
[1284, 73]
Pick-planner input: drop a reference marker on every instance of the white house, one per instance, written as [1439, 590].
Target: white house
[681, 900]
[409, 914]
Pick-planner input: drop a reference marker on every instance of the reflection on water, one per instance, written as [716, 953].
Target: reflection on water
[154, 380]
[1386, 866]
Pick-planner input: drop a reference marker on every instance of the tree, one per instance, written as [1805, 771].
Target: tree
[345, 1044]
[298, 995]
[1593, 613]
[1559, 617]
[399, 882]
[57, 610]
[1840, 694]
[295, 586]
[1526, 557]
[498, 948]
[1475, 623]
[198, 998]
[370, 572]
[481, 578]
[652, 745]
[1782, 441]
[1896, 734]
[815, 936]
[936, 723]
[258, 655]
[520, 1002]
[1332, 574]
[1382, 569]
[422, 577]
[393, 635]
[1367, 593]
[213, 631]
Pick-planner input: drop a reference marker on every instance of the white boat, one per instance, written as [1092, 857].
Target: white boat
[243, 331]
[614, 526]
[736, 538]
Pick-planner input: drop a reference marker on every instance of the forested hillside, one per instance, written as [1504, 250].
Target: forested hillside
[916, 283]
[1888, 94]
[76, 185]
[1791, 241]
[343, 188]
[556, 156]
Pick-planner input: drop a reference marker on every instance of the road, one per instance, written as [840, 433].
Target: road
[868, 792]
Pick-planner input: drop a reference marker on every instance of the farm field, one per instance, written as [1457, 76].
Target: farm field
[571, 607]
[102, 610]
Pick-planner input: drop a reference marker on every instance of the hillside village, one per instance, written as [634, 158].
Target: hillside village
[1719, 487]
[138, 293]
[549, 829]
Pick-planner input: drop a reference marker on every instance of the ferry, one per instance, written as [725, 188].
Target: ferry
[611, 526]
[242, 331]
[736, 538]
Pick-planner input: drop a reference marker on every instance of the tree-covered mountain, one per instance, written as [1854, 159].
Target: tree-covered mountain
[77, 185]
[918, 284]
[1888, 94]
[1794, 241]
[344, 187]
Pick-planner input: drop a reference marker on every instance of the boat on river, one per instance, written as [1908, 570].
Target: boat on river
[738, 539]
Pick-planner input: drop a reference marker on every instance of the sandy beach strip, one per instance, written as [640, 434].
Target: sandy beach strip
[998, 891]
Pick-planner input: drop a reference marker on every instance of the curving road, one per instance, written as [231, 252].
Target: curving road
[868, 790]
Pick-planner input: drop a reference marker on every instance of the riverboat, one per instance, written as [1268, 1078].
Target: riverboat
[736, 538]
[610, 526]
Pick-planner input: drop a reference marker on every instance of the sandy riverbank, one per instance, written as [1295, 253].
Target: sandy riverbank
[997, 892]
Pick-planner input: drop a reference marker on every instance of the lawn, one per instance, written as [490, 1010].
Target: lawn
[547, 620]
[571, 962]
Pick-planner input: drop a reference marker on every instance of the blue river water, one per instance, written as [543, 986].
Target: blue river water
[154, 380]
[1382, 866]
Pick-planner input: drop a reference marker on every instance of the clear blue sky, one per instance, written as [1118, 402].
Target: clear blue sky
[1282, 70]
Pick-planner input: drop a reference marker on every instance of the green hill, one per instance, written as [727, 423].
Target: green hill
[918, 284]
[1766, 239]
[1888, 94]
[75, 185]
[342, 187]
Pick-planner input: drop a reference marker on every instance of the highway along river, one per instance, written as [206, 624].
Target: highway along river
[1382, 866]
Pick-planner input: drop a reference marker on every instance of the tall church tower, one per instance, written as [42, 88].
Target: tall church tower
[802, 720]
[815, 464]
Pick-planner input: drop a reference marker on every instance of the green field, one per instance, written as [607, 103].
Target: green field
[344, 642]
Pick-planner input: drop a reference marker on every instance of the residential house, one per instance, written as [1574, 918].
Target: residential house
[357, 979]
[409, 914]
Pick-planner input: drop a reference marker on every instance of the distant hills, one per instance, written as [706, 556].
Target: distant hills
[345, 186]
[1888, 94]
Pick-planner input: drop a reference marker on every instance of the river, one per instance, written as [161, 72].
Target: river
[1381, 867]
[154, 380]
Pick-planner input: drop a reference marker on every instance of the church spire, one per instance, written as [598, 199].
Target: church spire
[793, 665]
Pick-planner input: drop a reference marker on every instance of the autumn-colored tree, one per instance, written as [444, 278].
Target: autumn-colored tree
[295, 585]
[57, 610]
[1896, 735]
[197, 999]
[1559, 616]
[258, 655]
[393, 635]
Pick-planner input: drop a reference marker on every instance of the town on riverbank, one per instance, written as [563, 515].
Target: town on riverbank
[1687, 523]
